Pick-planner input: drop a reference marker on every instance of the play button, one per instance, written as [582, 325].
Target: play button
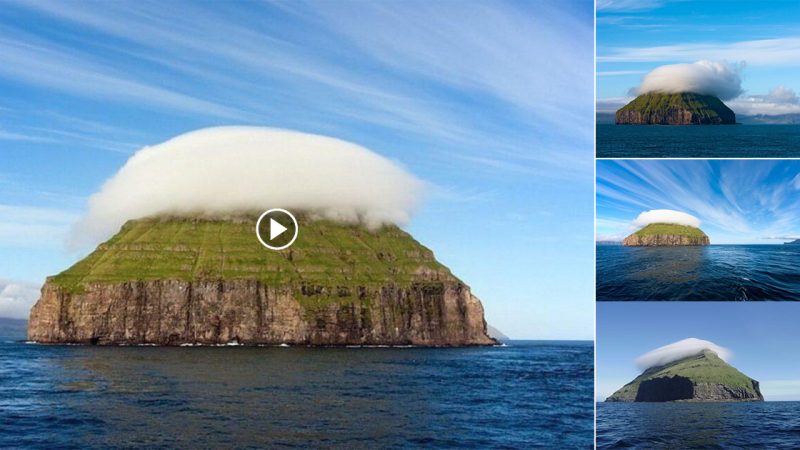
[281, 227]
[275, 229]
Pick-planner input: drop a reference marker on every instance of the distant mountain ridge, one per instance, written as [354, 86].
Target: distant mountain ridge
[496, 334]
[776, 119]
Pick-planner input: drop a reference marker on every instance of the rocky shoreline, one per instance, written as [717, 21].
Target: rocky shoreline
[664, 240]
[172, 312]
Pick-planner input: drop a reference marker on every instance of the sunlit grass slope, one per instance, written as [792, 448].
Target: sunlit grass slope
[325, 253]
[670, 229]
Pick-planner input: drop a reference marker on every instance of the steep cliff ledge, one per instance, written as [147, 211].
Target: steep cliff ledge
[170, 281]
[666, 235]
[700, 378]
[675, 109]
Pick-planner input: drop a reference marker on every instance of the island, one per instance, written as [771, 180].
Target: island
[667, 234]
[207, 281]
[794, 242]
[703, 377]
[675, 109]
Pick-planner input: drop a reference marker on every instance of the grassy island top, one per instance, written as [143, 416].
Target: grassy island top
[705, 367]
[670, 229]
[704, 105]
[325, 253]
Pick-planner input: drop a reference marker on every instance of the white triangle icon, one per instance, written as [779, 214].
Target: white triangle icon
[275, 229]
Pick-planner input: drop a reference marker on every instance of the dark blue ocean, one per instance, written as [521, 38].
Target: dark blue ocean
[715, 272]
[767, 425]
[717, 141]
[527, 394]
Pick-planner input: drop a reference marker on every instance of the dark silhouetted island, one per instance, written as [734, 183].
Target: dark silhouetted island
[704, 377]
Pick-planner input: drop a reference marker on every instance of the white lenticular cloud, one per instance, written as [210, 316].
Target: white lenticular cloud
[225, 170]
[679, 350]
[722, 80]
[666, 216]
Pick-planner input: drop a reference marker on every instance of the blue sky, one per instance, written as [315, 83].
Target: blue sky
[636, 36]
[489, 102]
[737, 201]
[762, 337]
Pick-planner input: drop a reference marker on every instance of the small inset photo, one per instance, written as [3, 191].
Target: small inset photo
[697, 80]
[697, 375]
[698, 230]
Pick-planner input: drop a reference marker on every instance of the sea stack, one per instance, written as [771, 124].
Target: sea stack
[675, 109]
[190, 281]
[667, 235]
[703, 377]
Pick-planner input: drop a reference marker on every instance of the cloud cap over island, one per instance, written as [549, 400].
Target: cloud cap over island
[665, 216]
[224, 170]
[720, 79]
[679, 350]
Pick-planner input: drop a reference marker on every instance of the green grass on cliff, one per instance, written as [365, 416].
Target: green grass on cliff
[670, 229]
[702, 368]
[325, 254]
[706, 106]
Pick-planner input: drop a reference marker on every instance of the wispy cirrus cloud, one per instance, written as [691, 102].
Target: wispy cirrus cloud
[615, 73]
[758, 52]
[34, 227]
[629, 5]
[47, 66]
[65, 131]
[15, 136]
[391, 66]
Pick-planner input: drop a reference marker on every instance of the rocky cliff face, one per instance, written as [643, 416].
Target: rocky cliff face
[172, 282]
[666, 234]
[699, 378]
[660, 240]
[677, 389]
[675, 109]
[172, 312]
